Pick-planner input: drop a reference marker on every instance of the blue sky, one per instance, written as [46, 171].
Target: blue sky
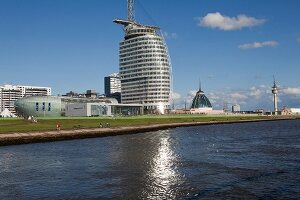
[234, 47]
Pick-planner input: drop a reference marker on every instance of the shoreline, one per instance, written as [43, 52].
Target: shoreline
[52, 136]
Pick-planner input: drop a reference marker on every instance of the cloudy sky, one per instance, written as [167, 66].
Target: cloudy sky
[234, 47]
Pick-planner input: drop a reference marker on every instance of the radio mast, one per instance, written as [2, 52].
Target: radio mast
[275, 92]
[130, 7]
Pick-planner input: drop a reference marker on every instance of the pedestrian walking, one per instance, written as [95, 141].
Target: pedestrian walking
[58, 126]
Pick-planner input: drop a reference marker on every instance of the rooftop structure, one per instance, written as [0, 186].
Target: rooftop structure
[145, 68]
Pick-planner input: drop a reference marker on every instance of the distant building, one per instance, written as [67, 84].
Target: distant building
[295, 111]
[201, 103]
[88, 94]
[112, 84]
[236, 108]
[91, 94]
[73, 94]
[35, 91]
[260, 111]
[50, 106]
[290, 111]
[10, 93]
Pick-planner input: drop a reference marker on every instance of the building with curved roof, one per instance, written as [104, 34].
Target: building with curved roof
[201, 103]
[145, 68]
[47, 106]
[51, 106]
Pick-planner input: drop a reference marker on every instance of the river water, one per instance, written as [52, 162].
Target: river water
[258, 160]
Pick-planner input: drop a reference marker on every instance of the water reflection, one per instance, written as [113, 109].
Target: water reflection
[149, 164]
[6, 161]
[163, 175]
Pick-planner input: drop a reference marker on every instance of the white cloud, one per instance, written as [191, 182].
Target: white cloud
[213, 96]
[175, 95]
[238, 96]
[291, 91]
[170, 35]
[256, 45]
[255, 93]
[217, 20]
[259, 91]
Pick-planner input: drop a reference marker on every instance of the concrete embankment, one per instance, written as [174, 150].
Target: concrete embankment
[49, 136]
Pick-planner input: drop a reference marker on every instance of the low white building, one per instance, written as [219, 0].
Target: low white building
[295, 111]
[102, 109]
[236, 108]
[200, 110]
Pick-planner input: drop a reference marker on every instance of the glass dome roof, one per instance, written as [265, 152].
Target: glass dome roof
[201, 101]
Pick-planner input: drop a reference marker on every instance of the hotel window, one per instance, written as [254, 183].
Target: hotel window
[49, 106]
[37, 106]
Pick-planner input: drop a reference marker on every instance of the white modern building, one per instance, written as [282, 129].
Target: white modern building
[236, 108]
[112, 84]
[34, 90]
[102, 109]
[10, 93]
[145, 69]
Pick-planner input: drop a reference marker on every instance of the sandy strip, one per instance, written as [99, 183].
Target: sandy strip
[49, 136]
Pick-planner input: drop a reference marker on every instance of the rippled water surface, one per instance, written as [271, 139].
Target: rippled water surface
[248, 161]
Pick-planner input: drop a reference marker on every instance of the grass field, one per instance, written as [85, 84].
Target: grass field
[21, 125]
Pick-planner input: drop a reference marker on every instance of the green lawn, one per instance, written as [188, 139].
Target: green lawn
[21, 125]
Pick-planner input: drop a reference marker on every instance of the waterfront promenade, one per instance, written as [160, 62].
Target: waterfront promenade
[14, 138]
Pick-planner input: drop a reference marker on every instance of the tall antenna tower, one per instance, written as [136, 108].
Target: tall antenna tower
[275, 92]
[130, 7]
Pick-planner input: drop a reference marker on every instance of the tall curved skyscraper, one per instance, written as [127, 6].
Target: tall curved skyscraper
[145, 69]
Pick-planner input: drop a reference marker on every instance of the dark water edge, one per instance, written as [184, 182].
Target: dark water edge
[53, 136]
[223, 161]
